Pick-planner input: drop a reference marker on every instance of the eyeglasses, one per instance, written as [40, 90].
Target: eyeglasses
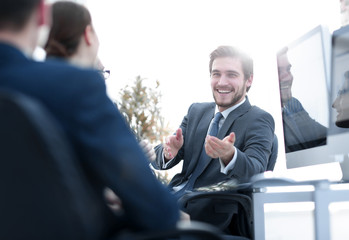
[105, 73]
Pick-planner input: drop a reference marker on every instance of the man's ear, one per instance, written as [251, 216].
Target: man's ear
[88, 35]
[249, 81]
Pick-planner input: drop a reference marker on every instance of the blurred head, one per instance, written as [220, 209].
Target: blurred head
[285, 75]
[72, 35]
[341, 103]
[231, 73]
[20, 21]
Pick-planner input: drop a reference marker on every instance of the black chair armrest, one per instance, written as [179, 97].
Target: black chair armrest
[193, 229]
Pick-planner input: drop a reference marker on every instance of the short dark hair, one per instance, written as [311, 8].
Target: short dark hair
[229, 51]
[69, 21]
[15, 13]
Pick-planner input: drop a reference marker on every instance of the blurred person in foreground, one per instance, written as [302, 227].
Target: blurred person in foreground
[225, 140]
[73, 38]
[76, 97]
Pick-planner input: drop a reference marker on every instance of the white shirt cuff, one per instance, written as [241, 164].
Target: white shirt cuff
[231, 164]
[165, 164]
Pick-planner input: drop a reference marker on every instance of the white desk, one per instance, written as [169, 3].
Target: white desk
[322, 195]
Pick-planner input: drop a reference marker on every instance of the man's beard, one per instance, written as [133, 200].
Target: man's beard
[343, 123]
[237, 97]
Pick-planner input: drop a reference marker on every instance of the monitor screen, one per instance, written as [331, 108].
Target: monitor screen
[339, 114]
[304, 80]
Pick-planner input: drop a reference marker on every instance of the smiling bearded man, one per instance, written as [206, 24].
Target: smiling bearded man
[234, 145]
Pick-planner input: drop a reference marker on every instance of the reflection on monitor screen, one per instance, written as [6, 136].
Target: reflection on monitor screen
[340, 82]
[339, 114]
[303, 68]
[338, 137]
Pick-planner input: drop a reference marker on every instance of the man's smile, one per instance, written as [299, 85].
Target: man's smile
[224, 91]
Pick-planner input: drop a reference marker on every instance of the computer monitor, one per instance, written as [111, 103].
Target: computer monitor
[304, 81]
[339, 114]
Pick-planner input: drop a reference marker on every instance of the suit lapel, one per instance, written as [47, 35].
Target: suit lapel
[200, 135]
[235, 114]
[203, 127]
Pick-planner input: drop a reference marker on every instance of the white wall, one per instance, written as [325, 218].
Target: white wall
[170, 41]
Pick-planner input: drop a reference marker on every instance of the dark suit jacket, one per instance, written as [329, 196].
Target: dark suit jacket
[254, 131]
[107, 150]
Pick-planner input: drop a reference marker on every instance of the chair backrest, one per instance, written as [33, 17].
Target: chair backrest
[273, 155]
[44, 193]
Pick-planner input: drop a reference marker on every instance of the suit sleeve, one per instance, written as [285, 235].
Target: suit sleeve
[115, 159]
[159, 148]
[255, 150]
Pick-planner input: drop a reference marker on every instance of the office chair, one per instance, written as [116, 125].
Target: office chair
[44, 192]
[229, 202]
